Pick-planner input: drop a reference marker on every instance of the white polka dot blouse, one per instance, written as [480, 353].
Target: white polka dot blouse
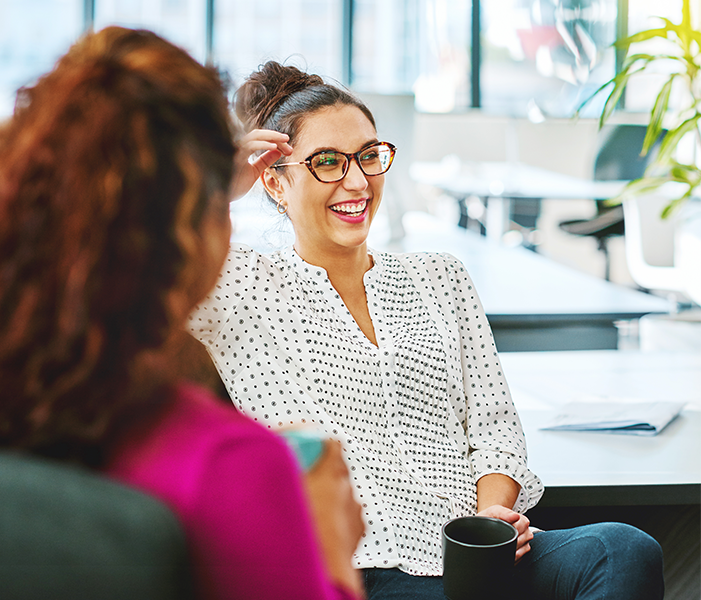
[422, 415]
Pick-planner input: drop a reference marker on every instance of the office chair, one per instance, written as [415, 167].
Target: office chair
[67, 533]
[618, 158]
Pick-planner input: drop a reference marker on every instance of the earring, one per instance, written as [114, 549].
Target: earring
[281, 205]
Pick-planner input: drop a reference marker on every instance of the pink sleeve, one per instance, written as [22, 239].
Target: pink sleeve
[251, 532]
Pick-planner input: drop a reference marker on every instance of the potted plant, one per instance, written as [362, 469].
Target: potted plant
[666, 127]
[684, 55]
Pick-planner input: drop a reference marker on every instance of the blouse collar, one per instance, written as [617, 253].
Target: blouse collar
[314, 274]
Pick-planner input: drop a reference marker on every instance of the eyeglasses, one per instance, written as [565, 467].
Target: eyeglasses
[330, 166]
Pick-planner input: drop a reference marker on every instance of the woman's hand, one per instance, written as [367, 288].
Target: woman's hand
[337, 516]
[519, 521]
[273, 144]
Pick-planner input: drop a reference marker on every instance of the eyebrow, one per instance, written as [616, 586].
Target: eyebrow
[330, 149]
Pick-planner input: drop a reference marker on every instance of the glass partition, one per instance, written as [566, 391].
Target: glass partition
[537, 58]
[544, 57]
[180, 21]
[32, 36]
[305, 33]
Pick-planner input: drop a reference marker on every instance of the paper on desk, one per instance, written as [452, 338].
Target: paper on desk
[633, 418]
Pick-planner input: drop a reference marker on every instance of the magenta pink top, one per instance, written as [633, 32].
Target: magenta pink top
[237, 491]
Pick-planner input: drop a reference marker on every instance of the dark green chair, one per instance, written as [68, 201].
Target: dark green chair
[69, 533]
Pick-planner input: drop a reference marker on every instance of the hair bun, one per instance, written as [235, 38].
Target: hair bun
[264, 90]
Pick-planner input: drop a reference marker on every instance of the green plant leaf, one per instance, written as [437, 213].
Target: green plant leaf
[657, 114]
[641, 186]
[670, 26]
[633, 58]
[683, 31]
[641, 36]
[689, 174]
[686, 13]
[673, 137]
[686, 173]
[686, 17]
[696, 36]
[637, 187]
[674, 204]
[591, 97]
[620, 82]
[684, 47]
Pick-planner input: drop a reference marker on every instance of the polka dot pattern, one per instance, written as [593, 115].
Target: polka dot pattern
[421, 416]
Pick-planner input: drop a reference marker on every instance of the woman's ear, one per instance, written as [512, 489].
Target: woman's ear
[272, 184]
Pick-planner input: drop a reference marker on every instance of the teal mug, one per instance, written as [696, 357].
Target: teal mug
[307, 445]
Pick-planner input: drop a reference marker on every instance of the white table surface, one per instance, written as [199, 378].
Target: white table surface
[541, 382]
[500, 182]
[516, 281]
[508, 180]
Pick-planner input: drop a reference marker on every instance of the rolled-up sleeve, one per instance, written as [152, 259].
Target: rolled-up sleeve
[495, 435]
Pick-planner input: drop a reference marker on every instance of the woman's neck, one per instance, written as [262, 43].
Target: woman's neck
[340, 264]
[345, 269]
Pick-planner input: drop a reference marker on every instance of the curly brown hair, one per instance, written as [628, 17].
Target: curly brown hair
[103, 160]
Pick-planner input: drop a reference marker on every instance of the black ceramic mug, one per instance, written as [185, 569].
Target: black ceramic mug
[478, 558]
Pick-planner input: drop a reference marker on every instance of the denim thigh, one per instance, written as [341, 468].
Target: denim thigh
[593, 562]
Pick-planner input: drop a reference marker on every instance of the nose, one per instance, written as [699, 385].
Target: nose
[355, 179]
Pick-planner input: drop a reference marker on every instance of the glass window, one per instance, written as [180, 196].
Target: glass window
[419, 46]
[305, 33]
[385, 45]
[33, 34]
[443, 83]
[179, 21]
[544, 57]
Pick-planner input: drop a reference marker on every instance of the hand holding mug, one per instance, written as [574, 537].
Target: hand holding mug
[519, 521]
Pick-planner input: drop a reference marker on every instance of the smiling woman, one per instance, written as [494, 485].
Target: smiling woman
[330, 216]
[391, 354]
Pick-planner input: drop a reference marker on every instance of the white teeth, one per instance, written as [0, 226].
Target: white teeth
[350, 209]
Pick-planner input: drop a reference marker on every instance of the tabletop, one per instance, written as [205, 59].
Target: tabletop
[497, 183]
[532, 302]
[593, 468]
[494, 179]
[516, 284]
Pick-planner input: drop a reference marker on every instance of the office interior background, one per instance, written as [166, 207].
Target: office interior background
[452, 81]
[487, 79]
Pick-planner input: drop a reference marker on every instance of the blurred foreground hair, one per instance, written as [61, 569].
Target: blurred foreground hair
[106, 158]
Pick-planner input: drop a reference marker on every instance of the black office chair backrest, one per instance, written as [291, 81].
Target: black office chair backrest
[69, 533]
[618, 156]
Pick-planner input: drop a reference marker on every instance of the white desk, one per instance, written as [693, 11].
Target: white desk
[508, 180]
[532, 302]
[600, 469]
[496, 183]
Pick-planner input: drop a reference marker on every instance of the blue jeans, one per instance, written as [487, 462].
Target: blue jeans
[594, 562]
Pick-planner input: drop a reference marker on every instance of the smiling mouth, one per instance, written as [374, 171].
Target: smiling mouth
[351, 209]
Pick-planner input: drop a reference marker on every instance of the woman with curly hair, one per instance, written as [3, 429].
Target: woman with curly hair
[115, 178]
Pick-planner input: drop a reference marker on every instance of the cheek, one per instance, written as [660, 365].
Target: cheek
[307, 203]
[377, 189]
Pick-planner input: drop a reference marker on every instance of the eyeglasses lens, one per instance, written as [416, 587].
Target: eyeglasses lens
[376, 159]
[331, 166]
